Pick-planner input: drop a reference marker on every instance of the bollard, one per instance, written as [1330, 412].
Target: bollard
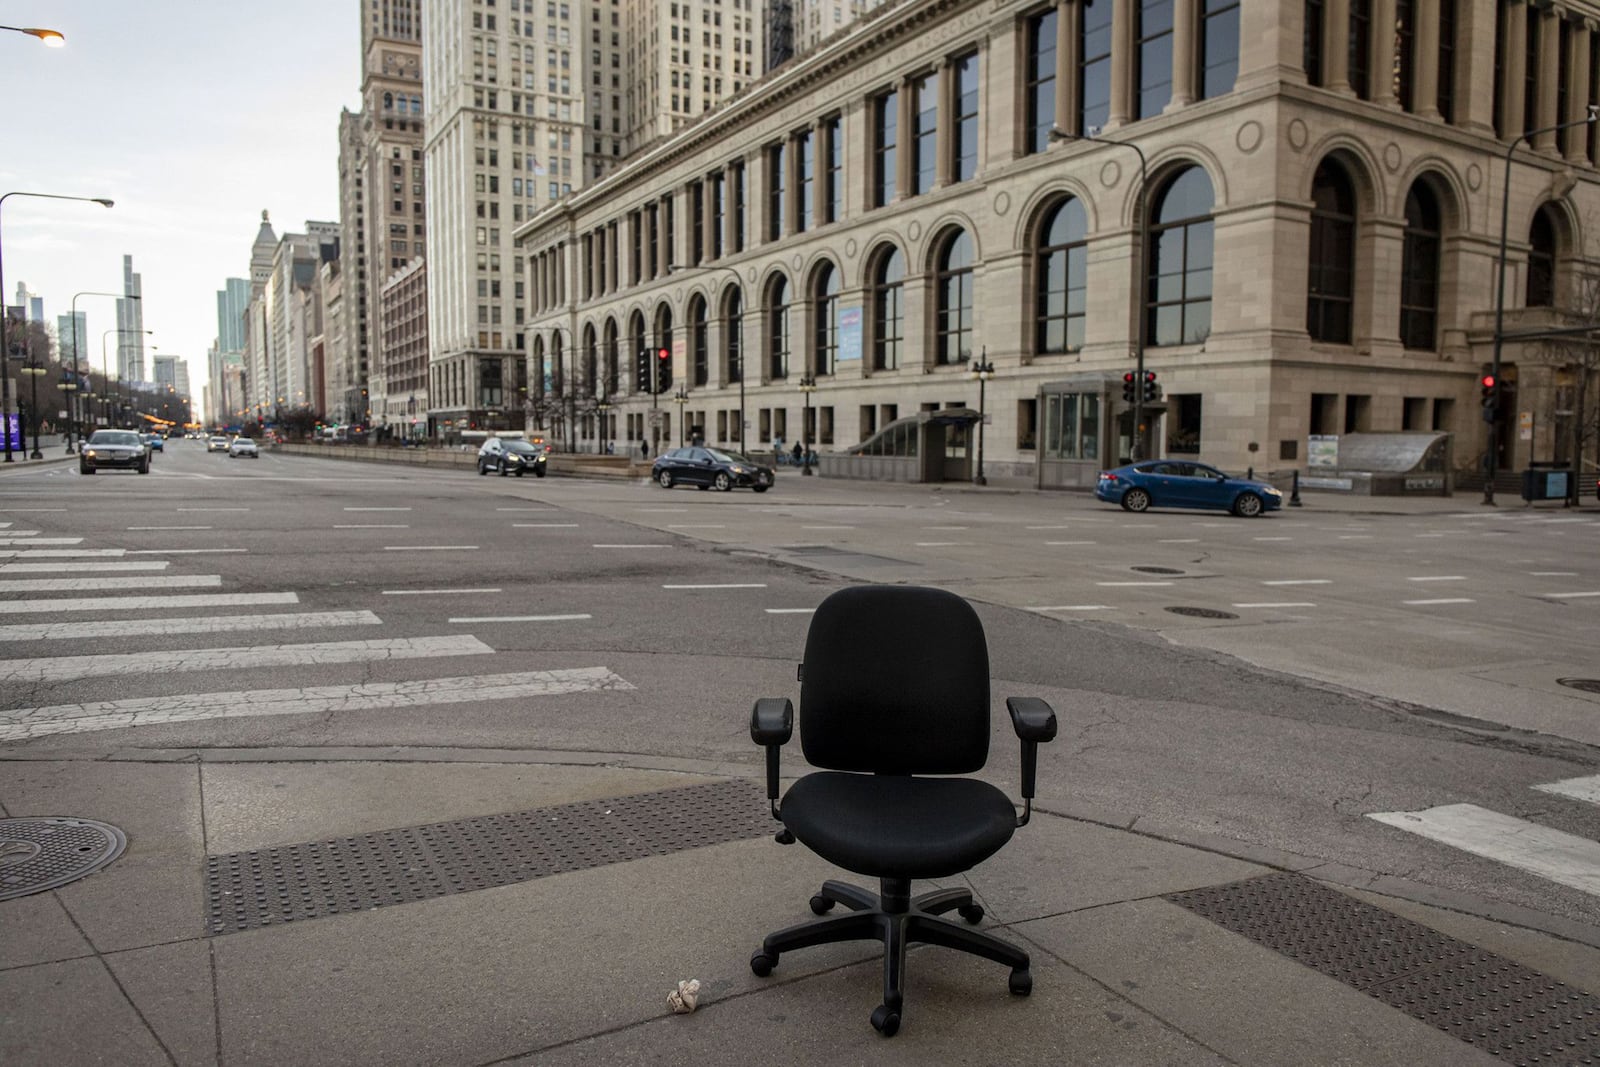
[1294, 491]
[1250, 473]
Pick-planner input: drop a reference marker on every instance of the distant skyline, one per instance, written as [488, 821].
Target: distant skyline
[194, 118]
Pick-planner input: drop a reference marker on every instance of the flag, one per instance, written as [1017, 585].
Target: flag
[533, 162]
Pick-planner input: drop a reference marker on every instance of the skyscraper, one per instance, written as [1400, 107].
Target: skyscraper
[130, 325]
[65, 336]
[233, 303]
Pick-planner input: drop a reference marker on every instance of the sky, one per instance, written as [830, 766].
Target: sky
[194, 116]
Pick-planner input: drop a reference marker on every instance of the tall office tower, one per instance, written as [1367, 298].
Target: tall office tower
[683, 58]
[233, 303]
[816, 20]
[346, 363]
[130, 326]
[279, 369]
[30, 302]
[391, 230]
[66, 331]
[779, 36]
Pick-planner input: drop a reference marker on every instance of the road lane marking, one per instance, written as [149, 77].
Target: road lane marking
[1179, 541]
[791, 611]
[172, 527]
[1568, 596]
[729, 585]
[31, 511]
[1075, 607]
[371, 526]
[544, 526]
[75, 631]
[1438, 578]
[1445, 600]
[630, 546]
[377, 509]
[1300, 581]
[1060, 543]
[436, 592]
[185, 551]
[146, 603]
[1554, 574]
[1355, 537]
[62, 553]
[1561, 857]
[947, 527]
[372, 696]
[61, 585]
[522, 618]
[81, 568]
[525, 509]
[181, 510]
[1279, 604]
[827, 527]
[67, 668]
[1584, 789]
[660, 509]
[940, 544]
[8, 532]
[430, 548]
[1272, 539]
[1130, 584]
[24, 541]
[697, 526]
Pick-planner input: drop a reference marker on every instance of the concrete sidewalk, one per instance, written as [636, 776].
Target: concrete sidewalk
[127, 965]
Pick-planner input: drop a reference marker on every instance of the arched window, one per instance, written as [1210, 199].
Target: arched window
[733, 336]
[698, 342]
[953, 300]
[1330, 289]
[888, 308]
[1419, 270]
[663, 343]
[1060, 270]
[589, 362]
[641, 352]
[613, 359]
[1179, 296]
[1542, 260]
[388, 101]
[541, 370]
[825, 318]
[557, 371]
[777, 310]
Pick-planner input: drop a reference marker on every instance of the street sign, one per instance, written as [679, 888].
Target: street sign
[656, 417]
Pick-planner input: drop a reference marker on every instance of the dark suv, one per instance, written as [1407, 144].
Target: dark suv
[113, 449]
[507, 455]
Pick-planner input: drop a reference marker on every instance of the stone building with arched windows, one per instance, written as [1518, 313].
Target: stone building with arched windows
[1297, 214]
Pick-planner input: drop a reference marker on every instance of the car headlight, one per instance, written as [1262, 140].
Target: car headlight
[91, 453]
[1273, 492]
[737, 470]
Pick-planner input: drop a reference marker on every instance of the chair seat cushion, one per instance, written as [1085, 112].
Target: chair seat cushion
[896, 826]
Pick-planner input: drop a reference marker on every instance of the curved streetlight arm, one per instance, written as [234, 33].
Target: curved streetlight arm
[51, 38]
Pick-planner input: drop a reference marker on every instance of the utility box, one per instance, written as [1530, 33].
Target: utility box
[1546, 483]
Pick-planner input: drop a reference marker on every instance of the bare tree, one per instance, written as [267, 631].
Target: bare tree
[1572, 353]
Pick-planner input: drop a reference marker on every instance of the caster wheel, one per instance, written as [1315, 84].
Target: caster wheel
[821, 905]
[762, 963]
[1021, 983]
[973, 913]
[885, 1020]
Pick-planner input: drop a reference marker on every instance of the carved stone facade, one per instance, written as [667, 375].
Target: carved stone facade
[1321, 258]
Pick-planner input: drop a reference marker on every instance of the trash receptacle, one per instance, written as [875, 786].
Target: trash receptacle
[1545, 484]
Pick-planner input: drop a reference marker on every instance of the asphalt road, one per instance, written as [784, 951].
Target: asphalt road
[448, 613]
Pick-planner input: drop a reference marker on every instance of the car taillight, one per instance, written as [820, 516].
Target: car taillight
[1107, 476]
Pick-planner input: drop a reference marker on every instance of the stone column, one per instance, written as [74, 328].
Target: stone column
[819, 173]
[1069, 35]
[1336, 46]
[1122, 63]
[903, 142]
[1381, 55]
[1272, 43]
[708, 215]
[1474, 81]
[944, 92]
[1549, 77]
[1514, 70]
[1185, 36]
[1425, 60]
[1578, 92]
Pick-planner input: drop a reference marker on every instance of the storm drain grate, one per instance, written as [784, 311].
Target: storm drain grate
[1203, 613]
[293, 883]
[1583, 685]
[44, 853]
[1488, 1001]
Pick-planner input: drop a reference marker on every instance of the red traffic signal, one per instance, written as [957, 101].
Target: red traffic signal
[663, 354]
[1127, 386]
[1488, 381]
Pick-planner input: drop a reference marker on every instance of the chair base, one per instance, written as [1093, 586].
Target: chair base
[898, 921]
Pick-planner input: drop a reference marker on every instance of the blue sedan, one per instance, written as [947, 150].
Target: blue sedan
[1169, 483]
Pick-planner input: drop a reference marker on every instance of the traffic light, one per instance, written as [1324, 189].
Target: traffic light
[663, 370]
[643, 371]
[1127, 387]
[1491, 398]
[1150, 388]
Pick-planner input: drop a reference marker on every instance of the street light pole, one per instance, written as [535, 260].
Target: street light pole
[73, 318]
[105, 365]
[808, 385]
[33, 370]
[1491, 415]
[982, 370]
[55, 40]
[680, 398]
[1141, 285]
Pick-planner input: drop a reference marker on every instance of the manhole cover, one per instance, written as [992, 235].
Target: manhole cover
[1158, 570]
[41, 854]
[1585, 685]
[1203, 613]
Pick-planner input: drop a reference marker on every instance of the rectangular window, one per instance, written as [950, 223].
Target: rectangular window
[669, 232]
[924, 133]
[1360, 47]
[1311, 50]
[1094, 67]
[1072, 426]
[1446, 100]
[776, 164]
[1405, 17]
[1530, 81]
[965, 148]
[1183, 424]
[1563, 73]
[1027, 424]
[1219, 47]
[652, 236]
[833, 151]
[719, 208]
[1155, 57]
[885, 138]
[1040, 87]
[697, 224]
[806, 162]
[1499, 68]
[736, 193]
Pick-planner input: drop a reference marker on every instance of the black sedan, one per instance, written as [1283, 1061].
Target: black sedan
[508, 455]
[709, 468]
[123, 449]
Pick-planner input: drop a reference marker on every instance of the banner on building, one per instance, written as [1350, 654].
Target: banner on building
[850, 334]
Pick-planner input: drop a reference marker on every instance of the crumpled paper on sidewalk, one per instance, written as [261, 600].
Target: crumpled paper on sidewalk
[686, 997]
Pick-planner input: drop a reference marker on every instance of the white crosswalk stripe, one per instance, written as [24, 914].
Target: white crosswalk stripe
[81, 585]
[146, 603]
[1561, 857]
[215, 624]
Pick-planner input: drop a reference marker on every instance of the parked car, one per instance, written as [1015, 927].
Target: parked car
[507, 455]
[155, 442]
[217, 443]
[243, 446]
[1168, 483]
[709, 468]
[114, 450]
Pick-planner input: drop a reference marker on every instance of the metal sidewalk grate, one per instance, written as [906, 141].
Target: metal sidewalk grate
[1502, 1007]
[293, 883]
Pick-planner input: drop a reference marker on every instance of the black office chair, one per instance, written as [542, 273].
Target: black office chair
[895, 685]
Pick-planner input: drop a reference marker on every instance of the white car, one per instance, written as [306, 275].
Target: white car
[243, 446]
[216, 444]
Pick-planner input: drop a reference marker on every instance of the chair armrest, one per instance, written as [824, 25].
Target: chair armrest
[772, 721]
[1035, 722]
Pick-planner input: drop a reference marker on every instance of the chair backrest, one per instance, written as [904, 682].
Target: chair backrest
[896, 681]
